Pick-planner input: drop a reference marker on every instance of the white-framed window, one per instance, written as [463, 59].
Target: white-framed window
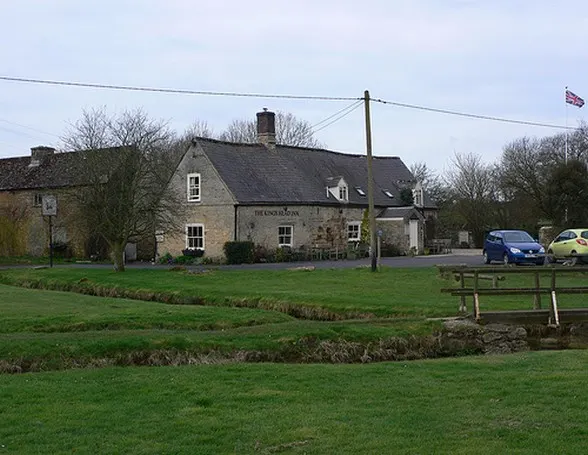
[354, 231]
[360, 191]
[193, 183]
[285, 235]
[343, 196]
[37, 200]
[195, 236]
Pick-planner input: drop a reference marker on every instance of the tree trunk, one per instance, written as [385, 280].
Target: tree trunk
[117, 250]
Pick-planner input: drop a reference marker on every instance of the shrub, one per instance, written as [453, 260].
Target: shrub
[239, 252]
[283, 254]
[261, 254]
[62, 249]
[389, 250]
[166, 259]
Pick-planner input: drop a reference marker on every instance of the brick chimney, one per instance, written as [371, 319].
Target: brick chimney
[40, 154]
[266, 128]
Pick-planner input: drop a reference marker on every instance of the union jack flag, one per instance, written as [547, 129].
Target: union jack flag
[574, 99]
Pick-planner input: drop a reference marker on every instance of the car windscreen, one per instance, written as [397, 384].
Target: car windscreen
[517, 237]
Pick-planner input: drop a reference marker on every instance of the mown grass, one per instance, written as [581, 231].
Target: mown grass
[318, 294]
[519, 404]
[347, 293]
[43, 330]
[23, 310]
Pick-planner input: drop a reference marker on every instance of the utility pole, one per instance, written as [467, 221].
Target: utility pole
[370, 184]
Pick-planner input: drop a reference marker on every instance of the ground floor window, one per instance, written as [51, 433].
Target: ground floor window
[37, 200]
[285, 235]
[195, 236]
[354, 231]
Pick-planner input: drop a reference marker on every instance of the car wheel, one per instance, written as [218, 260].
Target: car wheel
[486, 258]
[574, 259]
[505, 259]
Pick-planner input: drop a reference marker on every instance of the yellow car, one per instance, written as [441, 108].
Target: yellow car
[571, 244]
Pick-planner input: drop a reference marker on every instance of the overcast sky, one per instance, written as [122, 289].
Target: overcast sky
[504, 58]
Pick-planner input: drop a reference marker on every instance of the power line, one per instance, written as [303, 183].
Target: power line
[351, 106]
[358, 104]
[176, 91]
[27, 127]
[21, 133]
[477, 116]
[282, 96]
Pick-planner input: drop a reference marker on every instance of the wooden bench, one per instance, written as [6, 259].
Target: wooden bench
[439, 246]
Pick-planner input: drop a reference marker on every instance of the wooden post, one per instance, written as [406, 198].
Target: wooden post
[476, 298]
[553, 313]
[537, 297]
[50, 241]
[462, 305]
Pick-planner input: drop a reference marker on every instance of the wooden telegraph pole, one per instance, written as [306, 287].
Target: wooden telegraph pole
[370, 184]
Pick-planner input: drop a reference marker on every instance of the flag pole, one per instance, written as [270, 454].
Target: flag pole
[566, 151]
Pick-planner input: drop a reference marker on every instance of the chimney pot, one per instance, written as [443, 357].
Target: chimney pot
[266, 128]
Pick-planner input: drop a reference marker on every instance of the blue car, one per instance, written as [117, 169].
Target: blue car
[512, 247]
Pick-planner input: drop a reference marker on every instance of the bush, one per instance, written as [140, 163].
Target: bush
[283, 254]
[239, 252]
[62, 250]
[261, 254]
[389, 250]
[166, 259]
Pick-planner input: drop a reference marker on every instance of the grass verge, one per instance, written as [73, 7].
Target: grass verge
[525, 404]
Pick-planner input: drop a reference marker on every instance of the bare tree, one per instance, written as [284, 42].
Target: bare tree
[473, 186]
[124, 170]
[240, 131]
[198, 128]
[290, 130]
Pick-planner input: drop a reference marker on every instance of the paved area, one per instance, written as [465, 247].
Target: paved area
[461, 256]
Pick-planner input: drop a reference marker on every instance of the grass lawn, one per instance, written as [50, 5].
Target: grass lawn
[24, 310]
[317, 294]
[518, 404]
[42, 330]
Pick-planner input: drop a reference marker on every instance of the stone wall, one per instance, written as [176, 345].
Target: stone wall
[467, 336]
[34, 227]
[395, 232]
[216, 209]
[313, 226]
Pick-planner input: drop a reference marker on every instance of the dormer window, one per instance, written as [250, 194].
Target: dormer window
[193, 183]
[388, 193]
[360, 191]
[337, 187]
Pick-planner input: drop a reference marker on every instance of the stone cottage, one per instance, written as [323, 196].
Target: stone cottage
[25, 182]
[282, 196]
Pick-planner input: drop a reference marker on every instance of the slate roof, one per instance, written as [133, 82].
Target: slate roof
[256, 174]
[59, 170]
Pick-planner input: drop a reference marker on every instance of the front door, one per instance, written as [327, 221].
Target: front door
[413, 234]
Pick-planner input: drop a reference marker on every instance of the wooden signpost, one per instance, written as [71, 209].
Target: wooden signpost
[49, 208]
